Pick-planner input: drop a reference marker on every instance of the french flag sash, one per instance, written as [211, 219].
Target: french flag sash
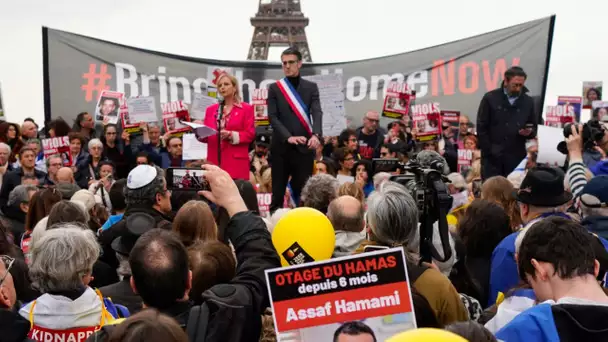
[296, 103]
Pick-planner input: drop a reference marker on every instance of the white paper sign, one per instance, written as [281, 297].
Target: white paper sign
[193, 149]
[141, 109]
[331, 96]
[199, 106]
[345, 179]
[548, 138]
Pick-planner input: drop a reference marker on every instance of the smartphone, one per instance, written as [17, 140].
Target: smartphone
[477, 188]
[183, 178]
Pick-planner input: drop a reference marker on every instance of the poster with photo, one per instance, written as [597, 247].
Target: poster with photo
[260, 107]
[310, 301]
[575, 101]
[264, 199]
[599, 110]
[465, 159]
[173, 113]
[397, 101]
[426, 118]
[60, 146]
[199, 106]
[558, 116]
[450, 121]
[139, 109]
[592, 91]
[108, 107]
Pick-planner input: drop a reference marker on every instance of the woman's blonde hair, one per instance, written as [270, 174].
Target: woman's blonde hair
[235, 84]
[193, 222]
[351, 189]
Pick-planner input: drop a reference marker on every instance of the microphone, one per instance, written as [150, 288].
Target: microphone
[220, 114]
[432, 160]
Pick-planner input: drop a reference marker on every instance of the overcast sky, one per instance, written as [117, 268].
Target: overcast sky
[339, 30]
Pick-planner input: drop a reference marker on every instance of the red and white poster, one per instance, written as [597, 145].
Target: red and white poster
[260, 108]
[558, 116]
[312, 300]
[450, 119]
[173, 113]
[264, 199]
[465, 159]
[397, 100]
[59, 146]
[426, 118]
[108, 106]
[575, 101]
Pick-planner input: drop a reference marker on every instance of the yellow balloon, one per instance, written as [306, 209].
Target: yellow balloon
[426, 335]
[303, 235]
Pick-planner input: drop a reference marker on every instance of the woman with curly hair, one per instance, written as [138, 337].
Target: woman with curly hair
[499, 190]
[10, 134]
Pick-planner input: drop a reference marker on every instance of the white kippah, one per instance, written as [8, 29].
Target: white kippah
[141, 176]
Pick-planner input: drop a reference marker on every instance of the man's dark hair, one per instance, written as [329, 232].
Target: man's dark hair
[107, 162]
[117, 195]
[79, 119]
[563, 243]
[292, 51]
[159, 267]
[354, 328]
[345, 135]
[515, 71]
[171, 138]
[32, 121]
[143, 154]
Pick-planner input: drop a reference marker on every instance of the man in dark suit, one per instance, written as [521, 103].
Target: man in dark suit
[505, 120]
[295, 115]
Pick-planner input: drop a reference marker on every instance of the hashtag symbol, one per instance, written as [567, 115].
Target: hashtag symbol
[95, 82]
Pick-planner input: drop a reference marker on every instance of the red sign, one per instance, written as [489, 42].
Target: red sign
[173, 114]
[58, 146]
[397, 100]
[264, 200]
[426, 118]
[465, 158]
[259, 98]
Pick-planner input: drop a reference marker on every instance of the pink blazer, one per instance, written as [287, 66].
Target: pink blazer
[235, 155]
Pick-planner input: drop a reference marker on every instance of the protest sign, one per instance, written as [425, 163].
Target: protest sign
[548, 138]
[397, 100]
[331, 97]
[59, 146]
[264, 199]
[465, 159]
[192, 149]
[260, 107]
[199, 106]
[558, 116]
[450, 119]
[575, 101]
[592, 91]
[108, 106]
[173, 113]
[426, 118]
[140, 109]
[312, 300]
[600, 110]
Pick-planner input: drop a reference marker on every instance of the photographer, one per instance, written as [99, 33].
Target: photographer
[593, 142]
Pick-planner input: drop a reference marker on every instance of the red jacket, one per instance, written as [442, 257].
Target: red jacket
[235, 154]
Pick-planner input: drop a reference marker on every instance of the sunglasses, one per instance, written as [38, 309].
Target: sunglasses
[8, 263]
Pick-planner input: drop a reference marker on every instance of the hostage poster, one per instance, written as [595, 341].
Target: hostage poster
[397, 100]
[426, 119]
[312, 300]
[59, 146]
[450, 121]
[575, 101]
[108, 107]
[558, 116]
[260, 107]
[173, 113]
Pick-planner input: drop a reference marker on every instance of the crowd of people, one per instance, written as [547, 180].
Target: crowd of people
[104, 250]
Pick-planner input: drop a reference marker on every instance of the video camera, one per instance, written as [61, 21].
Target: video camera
[427, 185]
[593, 132]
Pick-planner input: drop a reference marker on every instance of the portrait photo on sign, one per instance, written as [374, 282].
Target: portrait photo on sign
[261, 112]
[592, 91]
[108, 107]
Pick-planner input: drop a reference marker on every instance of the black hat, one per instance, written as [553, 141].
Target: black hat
[543, 186]
[137, 225]
[262, 140]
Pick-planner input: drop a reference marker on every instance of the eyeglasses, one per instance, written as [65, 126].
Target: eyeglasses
[56, 164]
[383, 154]
[352, 139]
[8, 263]
[290, 62]
[96, 148]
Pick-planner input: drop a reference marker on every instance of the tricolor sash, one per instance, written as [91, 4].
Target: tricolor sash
[296, 103]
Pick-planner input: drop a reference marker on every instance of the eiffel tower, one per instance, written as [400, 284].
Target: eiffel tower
[278, 23]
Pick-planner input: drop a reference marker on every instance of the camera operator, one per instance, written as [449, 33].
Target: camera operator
[391, 221]
[594, 142]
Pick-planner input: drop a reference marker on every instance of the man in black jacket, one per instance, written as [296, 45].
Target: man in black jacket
[27, 159]
[505, 120]
[160, 273]
[295, 115]
[13, 327]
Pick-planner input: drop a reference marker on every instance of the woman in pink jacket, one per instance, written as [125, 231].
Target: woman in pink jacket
[236, 127]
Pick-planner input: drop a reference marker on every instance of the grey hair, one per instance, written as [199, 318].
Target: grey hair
[94, 142]
[48, 160]
[62, 257]
[346, 221]
[380, 178]
[124, 269]
[146, 194]
[319, 191]
[33, 141]
[20, 194]
[392, 215]
[8, 148]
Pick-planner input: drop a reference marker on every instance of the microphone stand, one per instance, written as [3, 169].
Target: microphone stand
[220, 114]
